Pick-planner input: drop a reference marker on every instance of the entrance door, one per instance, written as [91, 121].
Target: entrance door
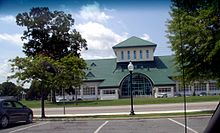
[141, 84]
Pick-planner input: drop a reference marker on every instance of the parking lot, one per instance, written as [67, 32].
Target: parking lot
[161, 125]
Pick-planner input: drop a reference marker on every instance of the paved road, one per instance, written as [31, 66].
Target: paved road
[163, 125]
[124, 109]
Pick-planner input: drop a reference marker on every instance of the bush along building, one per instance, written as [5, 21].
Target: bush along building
[152, 75]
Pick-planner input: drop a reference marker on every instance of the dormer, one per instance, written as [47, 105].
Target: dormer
[135, 49]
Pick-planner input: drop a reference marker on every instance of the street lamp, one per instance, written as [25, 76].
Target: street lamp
[130, 69]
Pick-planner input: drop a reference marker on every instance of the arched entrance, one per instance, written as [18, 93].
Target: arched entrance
[142, 85]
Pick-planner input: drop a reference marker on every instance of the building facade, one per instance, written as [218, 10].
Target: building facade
[109, 78]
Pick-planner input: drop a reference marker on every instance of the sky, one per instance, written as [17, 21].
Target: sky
[103, 23]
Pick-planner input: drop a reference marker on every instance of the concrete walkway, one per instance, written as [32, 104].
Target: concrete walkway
[125, 110]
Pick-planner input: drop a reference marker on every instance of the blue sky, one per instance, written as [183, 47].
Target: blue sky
[103, 23]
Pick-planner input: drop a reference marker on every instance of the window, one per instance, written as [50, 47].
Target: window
[147, 54]
[141, 56]
[213, 87]
[7, 104]
[108, 92]
[199, 86]
[161, 90]
[18, 105]
[77, 91]
[90, 75]
[187, 87]
[89, 91]
[122, 55]
[128, 55]
[93, 64]
[141, 85]
[134, 56]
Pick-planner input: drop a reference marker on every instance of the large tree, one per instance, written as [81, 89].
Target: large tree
[50, 40]
[50, 33]
[194, 34]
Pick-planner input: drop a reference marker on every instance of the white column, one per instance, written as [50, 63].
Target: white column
[96, 92]
[172, 91]
[81, 92]
[116, 93]
[101, 94]
[207, 88]
[177, 87]
[156, 91]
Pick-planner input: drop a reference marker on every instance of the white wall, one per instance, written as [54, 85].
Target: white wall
[125, 50]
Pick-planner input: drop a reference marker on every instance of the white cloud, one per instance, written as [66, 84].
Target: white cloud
[12, 38]
[146, 37]
[8, 19]
[100, 40]
[92, 12]
[4, 70]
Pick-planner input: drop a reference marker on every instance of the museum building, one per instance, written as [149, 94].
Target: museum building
[152, 75]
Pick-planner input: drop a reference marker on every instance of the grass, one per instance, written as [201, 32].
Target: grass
[118, 102]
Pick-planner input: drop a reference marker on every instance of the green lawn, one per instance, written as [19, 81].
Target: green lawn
[137, 101]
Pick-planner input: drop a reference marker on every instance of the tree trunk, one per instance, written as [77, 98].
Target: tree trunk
[42, 101]
[53, 96]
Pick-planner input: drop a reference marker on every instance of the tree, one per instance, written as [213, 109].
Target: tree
[43, 70]
[34, 69]
[33, 92]
[10, 89]
[194, 34]
[50, 33]
[49, 40]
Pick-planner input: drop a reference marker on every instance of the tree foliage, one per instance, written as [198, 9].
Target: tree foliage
[10, 89]
[66, 72]
[50, 33]
[194, 34]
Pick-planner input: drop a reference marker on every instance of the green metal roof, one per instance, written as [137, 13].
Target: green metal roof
[134, 42]
[105, 70]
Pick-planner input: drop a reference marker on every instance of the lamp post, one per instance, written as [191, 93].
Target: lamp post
[130, 69]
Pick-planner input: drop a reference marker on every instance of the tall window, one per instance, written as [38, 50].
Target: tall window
[200, 86]
[89, 90]
[141, 56]
[129, 55]
[147, 54]
[134, 56]
[122, 55]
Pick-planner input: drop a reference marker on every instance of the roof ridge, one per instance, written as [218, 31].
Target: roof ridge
[134, 42]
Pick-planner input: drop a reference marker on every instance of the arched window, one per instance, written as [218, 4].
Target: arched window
[142, 85]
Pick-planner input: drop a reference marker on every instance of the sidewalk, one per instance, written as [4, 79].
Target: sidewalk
[125, 110]
[121, 113]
